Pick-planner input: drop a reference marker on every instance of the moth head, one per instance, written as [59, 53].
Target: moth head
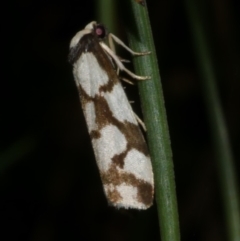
[100, 31]
[97, 29]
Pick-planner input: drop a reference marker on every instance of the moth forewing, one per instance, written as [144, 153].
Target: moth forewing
[119, 147]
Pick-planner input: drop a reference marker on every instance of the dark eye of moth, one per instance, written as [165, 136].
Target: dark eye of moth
[100, 31]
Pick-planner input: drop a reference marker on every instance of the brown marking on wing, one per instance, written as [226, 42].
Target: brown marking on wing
[104, 116]
[113, 196]
[116, 177]
[95, 134]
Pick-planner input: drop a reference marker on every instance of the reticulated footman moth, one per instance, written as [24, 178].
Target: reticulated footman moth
[120, 150]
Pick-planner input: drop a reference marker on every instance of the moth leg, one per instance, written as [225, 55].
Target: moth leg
[112, 37]
[140, 122]
[120, 64]
[126, 80]
[111, 43]
[124, 60]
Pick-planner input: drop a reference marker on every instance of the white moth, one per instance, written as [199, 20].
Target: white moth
[120, 149]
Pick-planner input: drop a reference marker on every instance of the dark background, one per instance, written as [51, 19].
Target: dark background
[49, 183]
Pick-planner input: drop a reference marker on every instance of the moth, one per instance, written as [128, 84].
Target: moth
[120, 150]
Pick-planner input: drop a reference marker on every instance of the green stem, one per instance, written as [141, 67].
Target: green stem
[155, 118]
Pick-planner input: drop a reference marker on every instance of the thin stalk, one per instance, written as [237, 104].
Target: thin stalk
[155, 118]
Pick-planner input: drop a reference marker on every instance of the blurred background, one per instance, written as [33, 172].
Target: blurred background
[50, 187]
